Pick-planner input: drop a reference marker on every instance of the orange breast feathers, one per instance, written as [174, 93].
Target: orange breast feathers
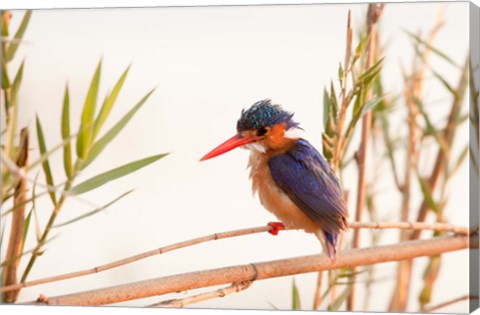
[273, 198]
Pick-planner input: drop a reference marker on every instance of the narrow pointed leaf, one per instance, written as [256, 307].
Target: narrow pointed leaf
[296, 305]
[26, 225]
[445, 84]
[85, 133]
[362, 44]
[389, 144]
[5, 21]
[67, 148]
[45, 156]
[371, 104]
[431, 130]
[333, 102]
[5, 78]
[93, 212]
[45, 165]
[113, 174]
[341, 73]
[8, 195]
[13, 113]
[370, 73]
[100, 145]
[357, 107]
[326, 107]
[335, 305]
[427, 194]
[429, 277]
[108, 104]
[34, 208]
[433, 49]
[12, 48]
[459, 160]
[16, 83]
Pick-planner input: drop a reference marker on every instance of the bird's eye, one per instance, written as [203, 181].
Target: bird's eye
[262, 131]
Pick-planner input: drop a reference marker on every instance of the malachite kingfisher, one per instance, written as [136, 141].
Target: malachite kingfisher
[292, 179]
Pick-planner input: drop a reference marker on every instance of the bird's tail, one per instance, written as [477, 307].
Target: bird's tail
[329, 243]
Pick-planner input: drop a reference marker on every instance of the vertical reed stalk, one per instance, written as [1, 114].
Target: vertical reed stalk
[373, 14]
[339, 143]
[16, 239]
[413, 91]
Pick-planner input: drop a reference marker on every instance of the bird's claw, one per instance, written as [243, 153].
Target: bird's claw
[275, 227]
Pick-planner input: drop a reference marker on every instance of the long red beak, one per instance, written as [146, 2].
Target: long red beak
[232, 143]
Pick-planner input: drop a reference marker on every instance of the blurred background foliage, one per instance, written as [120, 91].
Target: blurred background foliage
[404, 136]
[22, 176]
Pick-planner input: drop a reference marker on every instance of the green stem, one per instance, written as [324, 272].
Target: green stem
[51, 221]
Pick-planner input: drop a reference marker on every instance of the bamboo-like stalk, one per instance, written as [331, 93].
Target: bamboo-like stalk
[48, 228]
[131, 259]
[235, 233]
[317, 298]
[339, 143]
[448, 135]
[262, 270]
[16, 241]
[220, 293]
[414, 226]
[373, 14]
[413, 90]
[438, 170]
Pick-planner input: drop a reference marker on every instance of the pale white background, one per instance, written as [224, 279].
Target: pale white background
[209, 63]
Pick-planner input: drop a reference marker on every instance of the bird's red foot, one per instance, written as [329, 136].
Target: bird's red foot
[275, 227]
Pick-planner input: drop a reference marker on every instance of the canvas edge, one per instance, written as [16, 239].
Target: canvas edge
[474, 39]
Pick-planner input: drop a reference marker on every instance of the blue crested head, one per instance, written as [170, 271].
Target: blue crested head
[264, 114]
[262, 127]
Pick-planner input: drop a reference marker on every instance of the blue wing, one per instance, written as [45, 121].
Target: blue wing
[304, 175]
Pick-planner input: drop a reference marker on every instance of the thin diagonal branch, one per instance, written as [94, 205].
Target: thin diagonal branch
[220, 293]
[131, 259]
[223, 235]
[263, 270]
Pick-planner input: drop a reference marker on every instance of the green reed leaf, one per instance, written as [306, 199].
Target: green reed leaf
[45, 164]
[335, 305]
[296, 304]
[93, 212]
[100, 145]
[108, 104]
[17, 39]
[113, 174]
[427, 194]
[433, 49]
[85, 133]
[65, 128]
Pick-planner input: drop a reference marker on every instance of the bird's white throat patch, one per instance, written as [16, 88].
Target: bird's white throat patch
[256, 147]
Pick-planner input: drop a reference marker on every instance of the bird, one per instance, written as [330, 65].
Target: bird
[292, 179]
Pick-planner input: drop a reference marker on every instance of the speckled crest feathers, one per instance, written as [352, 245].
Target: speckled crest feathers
[264, 114]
